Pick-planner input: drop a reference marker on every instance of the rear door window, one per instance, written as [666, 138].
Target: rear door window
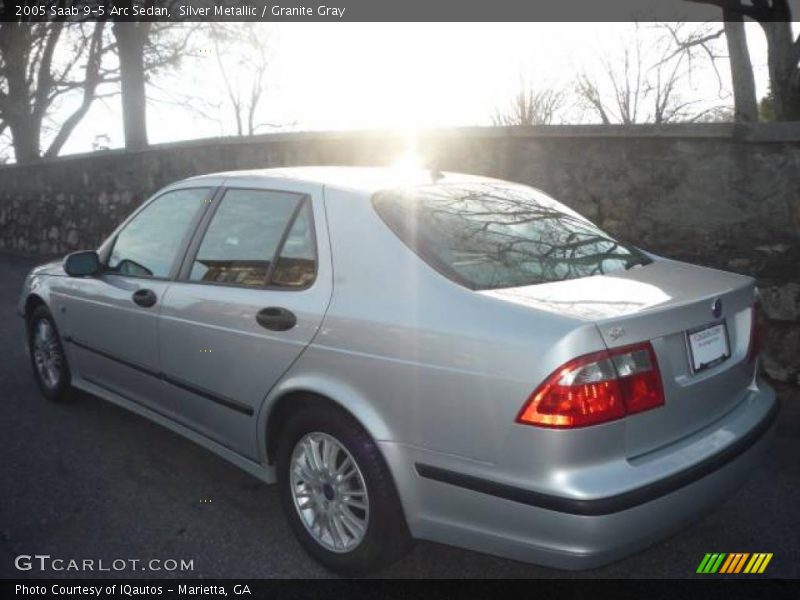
[258, 238]
[497, 235]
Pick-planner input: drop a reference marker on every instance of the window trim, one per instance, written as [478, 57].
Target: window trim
[200, 233]
[182, 245]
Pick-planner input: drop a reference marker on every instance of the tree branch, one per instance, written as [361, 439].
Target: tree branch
[683, 45]
[91, 81]
[45, 76]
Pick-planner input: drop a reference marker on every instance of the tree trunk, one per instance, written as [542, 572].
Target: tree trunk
[92, 80]
[25, 139]
[775, 19]
[783, 68]
[744, 85]
[18, 110]
[131, 39]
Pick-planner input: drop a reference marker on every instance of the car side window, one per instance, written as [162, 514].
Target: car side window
[148, 244]
[296, 266]
[258, 238]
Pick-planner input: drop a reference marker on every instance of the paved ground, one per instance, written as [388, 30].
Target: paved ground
[90, 480]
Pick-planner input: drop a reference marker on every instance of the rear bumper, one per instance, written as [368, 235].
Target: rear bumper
[576, 533]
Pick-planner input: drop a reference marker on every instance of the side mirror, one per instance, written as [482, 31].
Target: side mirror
[82, 264]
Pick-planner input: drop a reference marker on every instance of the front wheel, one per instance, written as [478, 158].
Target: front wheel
[338, 494]
[47, 356]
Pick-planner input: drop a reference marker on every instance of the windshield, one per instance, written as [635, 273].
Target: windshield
[497, 235]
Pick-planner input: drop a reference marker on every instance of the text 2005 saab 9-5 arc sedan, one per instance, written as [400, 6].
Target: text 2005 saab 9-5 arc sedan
[417, 355]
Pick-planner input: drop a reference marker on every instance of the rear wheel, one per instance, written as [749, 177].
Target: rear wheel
[338, 494]
[47, 356]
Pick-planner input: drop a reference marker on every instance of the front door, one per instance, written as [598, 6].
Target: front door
[251, 296]
[111, 320]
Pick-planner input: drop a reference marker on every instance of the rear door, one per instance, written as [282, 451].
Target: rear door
[251, 295]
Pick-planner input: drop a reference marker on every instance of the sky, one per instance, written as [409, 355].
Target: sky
[398, 76]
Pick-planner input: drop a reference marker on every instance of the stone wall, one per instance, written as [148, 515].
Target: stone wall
[716, 194]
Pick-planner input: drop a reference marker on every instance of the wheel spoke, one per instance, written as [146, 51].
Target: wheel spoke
[304, 503]
[325, 527]
[346, 464]
[313, 454]
[349, 474]
[301, 469]
[314, 521]
[351, 522]
[336, 537]
[341, 532]
[354, 503]
[329, 452]
[45, 331]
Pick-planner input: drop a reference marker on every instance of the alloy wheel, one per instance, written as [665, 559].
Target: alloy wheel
[329, 492]
[47, 353]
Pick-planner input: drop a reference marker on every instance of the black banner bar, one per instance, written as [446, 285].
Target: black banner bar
[372, 10]
[217, 589]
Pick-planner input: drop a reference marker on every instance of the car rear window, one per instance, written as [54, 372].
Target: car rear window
[496, 235]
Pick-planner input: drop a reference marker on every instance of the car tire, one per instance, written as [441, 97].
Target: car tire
[48, 360]
[384, 536]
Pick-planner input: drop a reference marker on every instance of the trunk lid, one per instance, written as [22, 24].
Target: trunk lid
[660, 303]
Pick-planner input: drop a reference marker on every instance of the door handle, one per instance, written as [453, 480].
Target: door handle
[276, 318]
[145, 297]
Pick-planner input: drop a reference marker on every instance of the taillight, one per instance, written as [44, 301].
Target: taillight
[756, 334]
[597, 388]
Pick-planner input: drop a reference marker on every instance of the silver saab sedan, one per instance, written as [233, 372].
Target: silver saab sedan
[417, 355]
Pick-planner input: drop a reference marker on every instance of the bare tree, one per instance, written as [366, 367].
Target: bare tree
[717, 114]
[744, 83]
[783, 49]
[589, 92]
[40, 64]
[144, 48]
[530, 106]
[618, 98]
[701, 39]
[243, 57]
[645, 85]
[131, 38]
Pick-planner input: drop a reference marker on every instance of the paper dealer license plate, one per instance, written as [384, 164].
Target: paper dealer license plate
[708, 346]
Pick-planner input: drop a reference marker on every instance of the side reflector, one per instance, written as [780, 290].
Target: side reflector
[756, 333]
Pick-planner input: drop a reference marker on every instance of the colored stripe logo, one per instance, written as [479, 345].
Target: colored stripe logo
[734, 563]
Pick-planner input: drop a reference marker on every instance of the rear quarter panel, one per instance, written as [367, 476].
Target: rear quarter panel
[425, 361]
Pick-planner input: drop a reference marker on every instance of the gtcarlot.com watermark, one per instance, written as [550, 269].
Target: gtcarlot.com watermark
[45, 562]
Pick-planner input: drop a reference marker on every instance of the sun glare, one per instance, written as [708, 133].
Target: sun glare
[408, 162]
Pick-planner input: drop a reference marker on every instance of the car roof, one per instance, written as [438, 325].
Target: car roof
[363, 179]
